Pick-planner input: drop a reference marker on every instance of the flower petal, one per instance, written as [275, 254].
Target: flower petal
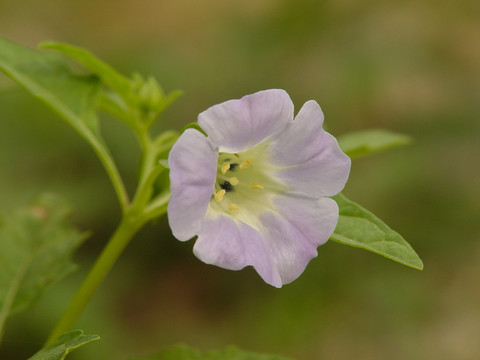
[233, 245]
[237, 125]
[280, 251]
[314, 163]
[193, 170]
[296, 230]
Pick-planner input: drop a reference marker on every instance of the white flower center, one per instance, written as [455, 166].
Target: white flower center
[245, 184]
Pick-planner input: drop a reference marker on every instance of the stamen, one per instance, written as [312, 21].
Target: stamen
[236, 154]
[226, 186]
[225, 167]
[245, 164]
[256, 185]
[233, 207]
[219, 195]
[234, 181]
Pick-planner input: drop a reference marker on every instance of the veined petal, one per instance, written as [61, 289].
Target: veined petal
[253, 190]
[233, 245]
[293, 234]
[280, 251]
[303, 139]
[193, 168]
[312, 161]
[323, 175]
[237, 125]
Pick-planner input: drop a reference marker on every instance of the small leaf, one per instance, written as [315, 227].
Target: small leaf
[109, 75]
[183, 352]
[36, 246]
[48, 77]
[363, 143]
[358, 227]
[111, 103]
[141, 94]
[64, 345]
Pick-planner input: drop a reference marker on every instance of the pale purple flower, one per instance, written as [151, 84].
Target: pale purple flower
[255, 191]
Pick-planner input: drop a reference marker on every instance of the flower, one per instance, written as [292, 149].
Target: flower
[255, 190]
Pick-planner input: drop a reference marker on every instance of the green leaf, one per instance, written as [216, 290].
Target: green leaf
[144, 95]
[358, 227]
[183, 352]
[36, 246]
[109, 75]
[111, 103]
[193, 126]
[363, 143]
[64, 345]
[48, 77]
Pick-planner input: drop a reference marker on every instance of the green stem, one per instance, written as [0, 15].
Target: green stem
[158, 206]
[122, 236]
[128, 227]
[135, 215]
[113, 173]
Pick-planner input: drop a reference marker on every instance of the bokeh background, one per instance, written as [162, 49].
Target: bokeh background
[406, 66]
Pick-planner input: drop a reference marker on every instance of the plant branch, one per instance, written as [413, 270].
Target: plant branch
[119, 240]
[113, 173]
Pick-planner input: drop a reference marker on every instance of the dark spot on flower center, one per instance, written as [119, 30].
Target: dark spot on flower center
[226, 186]
[233, 166]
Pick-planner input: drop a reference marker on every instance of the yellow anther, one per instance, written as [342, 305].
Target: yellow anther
[256, 185]
[233, 207]
[234, 181]
[246, 163]
[225, 167]
[219, 195]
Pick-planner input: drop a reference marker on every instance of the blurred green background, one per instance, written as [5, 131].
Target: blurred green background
[406, 66]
